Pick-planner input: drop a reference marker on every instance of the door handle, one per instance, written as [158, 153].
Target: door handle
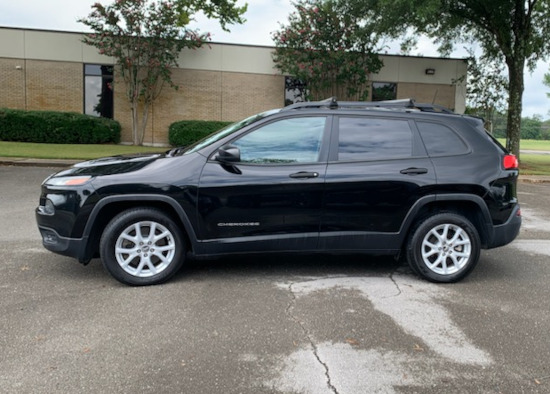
[304, 175]
[414, 171]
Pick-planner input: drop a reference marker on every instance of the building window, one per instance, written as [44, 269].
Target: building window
[98, 90]
[295, 91]
[384, 91]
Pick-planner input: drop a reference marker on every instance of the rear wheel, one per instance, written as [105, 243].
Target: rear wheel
[443, 248]
[142, 246]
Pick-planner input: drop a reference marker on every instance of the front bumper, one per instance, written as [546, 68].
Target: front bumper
[71, 247]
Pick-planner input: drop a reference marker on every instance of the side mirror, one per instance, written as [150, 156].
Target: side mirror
[229, 154]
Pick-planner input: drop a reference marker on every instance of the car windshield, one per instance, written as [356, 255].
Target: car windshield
[218, 135]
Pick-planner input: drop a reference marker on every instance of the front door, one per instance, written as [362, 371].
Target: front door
[270, 200]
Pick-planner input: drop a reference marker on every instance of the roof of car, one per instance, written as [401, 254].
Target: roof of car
[405, 105]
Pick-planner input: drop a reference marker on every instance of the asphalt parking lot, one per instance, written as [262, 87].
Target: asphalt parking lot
[271, 324]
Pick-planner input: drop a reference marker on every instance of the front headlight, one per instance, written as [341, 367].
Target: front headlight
[67, 180]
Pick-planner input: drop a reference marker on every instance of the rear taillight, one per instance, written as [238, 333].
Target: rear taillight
[510, 162]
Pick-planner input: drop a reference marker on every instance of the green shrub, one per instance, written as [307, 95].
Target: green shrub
[187, 132]
[56, 127]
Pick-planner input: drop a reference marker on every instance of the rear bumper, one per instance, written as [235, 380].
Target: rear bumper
[507, 232]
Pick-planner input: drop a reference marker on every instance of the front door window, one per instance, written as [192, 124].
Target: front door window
[296, 140]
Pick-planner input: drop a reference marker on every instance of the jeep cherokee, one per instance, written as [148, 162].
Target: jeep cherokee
[396, 178]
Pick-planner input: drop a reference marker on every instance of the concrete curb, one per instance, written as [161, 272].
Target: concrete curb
[29, 162]
[534, 178]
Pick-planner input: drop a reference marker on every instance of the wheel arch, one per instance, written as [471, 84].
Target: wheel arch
[472, 207]
[111, 206]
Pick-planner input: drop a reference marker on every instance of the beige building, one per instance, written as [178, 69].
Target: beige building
[49, 70]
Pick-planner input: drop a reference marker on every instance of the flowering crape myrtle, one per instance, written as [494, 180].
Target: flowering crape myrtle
[145, 38]
[328, 49]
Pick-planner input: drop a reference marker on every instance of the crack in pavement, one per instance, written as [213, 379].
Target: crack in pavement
[309, 338]
[414, 306]
[399, 292]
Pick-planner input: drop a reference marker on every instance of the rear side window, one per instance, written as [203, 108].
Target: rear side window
[367, 138]
[440, 140]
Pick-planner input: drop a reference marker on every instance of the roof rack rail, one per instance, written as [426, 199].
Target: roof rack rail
[329, 103]
[407, 104]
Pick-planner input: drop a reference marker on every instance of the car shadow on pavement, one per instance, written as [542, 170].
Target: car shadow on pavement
[248, 267]
[281, 265]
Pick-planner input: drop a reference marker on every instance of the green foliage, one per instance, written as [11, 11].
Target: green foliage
[545, 130]
[513, 31]
[487, 86]
[56, 127]
[187, 132]
[328, 48]
[145, 37]
[500, 123]
[225, 11]
[531, 128]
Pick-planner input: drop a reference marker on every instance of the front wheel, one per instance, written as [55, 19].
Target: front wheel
[443, 248]
[142, 246]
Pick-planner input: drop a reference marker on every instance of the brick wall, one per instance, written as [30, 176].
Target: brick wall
[41, 85]
[247, 94]
[428, 93]
[203, 95]
[54, 86]
[12, 83]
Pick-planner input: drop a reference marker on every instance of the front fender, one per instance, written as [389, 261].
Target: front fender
[93, 229]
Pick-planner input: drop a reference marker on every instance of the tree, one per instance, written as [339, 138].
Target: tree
[327, 49]
[515, 31]
[545, 130]
[499, 124]
[145, 38]
[487, 88]
[531, 128]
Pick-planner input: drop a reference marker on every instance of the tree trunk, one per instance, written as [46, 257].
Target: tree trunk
[135, 124]
[143, 125]
[515, 72]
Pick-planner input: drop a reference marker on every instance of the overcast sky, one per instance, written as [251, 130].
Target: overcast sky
[263, 17]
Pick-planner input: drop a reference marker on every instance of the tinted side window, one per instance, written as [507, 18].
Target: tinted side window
[366, 138]
[441, 140]
[296, 140]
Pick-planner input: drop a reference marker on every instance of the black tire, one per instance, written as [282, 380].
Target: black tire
[443, 248]
[130, 253]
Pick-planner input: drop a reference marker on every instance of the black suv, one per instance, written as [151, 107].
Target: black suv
[395, 177]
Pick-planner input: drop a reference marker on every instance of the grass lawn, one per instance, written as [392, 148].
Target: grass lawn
[534, 164]
[535, 145]
[530, 164]
[69, 151]
[531, 144]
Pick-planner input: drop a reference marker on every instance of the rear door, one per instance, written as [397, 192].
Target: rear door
[377, 170]
[272, 198]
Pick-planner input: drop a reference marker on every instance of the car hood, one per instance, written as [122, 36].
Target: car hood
[111, 165]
